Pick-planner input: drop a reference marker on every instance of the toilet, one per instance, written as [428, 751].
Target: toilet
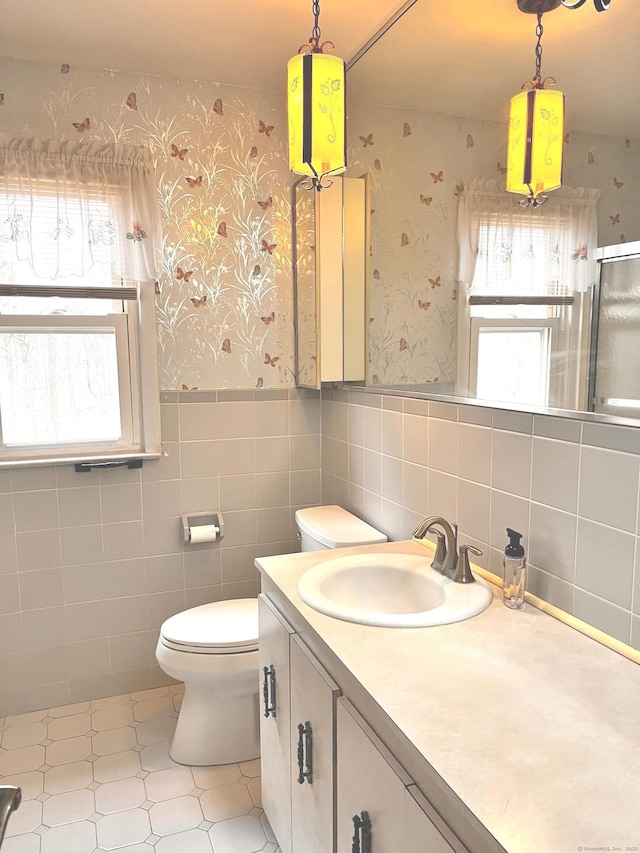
[213, 649]
[321, 527]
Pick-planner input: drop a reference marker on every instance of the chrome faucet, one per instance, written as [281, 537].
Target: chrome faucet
[446, 557]
[10, 797]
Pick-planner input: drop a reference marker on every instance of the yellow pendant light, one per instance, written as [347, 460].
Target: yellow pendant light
[536, 132]
[316, 109]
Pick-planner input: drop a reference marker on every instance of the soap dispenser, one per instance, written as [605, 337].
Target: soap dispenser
[514, 570]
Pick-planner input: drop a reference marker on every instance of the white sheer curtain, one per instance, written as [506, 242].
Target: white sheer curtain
[77, 210]
[549, 250]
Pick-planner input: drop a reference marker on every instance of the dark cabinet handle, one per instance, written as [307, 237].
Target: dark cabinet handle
[269, 690]
[361, 833]
[305, 756]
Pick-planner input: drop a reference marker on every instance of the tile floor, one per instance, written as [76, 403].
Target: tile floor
[97, 776]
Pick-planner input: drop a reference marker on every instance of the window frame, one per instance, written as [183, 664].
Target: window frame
[137, 374]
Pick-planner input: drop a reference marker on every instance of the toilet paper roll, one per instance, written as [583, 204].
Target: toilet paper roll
[203, 533]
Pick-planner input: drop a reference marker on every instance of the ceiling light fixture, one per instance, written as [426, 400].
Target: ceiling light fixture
[601, 5]
[316, 109]
[536, 127]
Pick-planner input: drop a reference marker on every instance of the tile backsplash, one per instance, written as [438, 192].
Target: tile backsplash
[570, 488]
[92, 563]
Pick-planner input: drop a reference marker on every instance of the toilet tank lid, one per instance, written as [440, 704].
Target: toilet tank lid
[221, 624]
[334, 527]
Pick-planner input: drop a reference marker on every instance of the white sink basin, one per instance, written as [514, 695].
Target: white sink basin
[390, 590]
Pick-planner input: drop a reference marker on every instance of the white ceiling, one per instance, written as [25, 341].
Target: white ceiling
[465, 57]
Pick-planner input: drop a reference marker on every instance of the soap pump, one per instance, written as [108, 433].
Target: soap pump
[514, 569]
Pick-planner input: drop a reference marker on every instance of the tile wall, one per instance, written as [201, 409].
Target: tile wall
[570, 487]
[92, 563]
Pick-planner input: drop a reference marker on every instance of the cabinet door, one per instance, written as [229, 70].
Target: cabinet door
[421, 832]
[313, 696]
[370, 784]
[275, 745]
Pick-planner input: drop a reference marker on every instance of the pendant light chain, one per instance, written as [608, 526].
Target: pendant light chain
[315, 32]
[539, 32]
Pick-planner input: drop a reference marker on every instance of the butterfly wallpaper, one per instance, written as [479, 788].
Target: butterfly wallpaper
[419, 165]
[224, 299]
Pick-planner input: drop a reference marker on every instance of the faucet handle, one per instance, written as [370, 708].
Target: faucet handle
[463, 573]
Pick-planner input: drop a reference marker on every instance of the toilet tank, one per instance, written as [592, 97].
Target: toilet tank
[323, 527]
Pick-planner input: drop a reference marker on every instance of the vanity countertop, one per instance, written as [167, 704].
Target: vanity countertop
[532, 725]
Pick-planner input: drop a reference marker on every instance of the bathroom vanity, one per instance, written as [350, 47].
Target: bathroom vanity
[508, 731]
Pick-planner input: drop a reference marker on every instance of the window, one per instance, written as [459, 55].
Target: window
[523, 318]
[78, 375]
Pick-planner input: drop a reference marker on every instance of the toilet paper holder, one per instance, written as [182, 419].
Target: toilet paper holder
[194, 520]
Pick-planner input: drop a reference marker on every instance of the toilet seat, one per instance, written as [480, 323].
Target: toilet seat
[220, 628]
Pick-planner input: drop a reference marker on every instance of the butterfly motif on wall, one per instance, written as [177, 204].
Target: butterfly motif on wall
[181, 274]
[470, 142]
[618, 183]
[132, 101]
[222, 229]
[82, 126]
[376, 275]
[435, 282]
[406, 130]
[424, 305]
[367, 140]
[458, 190]
[270, 319]
[437, 177]
[184, 387]
[268, 247]
[64, 68]
[260, 382]
[194, 182]
[256, 269]
[502, 169]
[180, 153]
[265, 128]
[615, 220]
[426, 199]
[404, 239]
[403, 344]
[217, 106]
[156, 287]
[271, 359]
[265, 205]
[254, 152]
[198, 301]
[371, 320]
[377, 164]
[226, 345]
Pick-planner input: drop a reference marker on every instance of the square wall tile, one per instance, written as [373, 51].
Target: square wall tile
[552, 541]
[305, 452]
[443, 445]
[271, 417]
[372, 433]
[305, 417]
[125, 539]
[272, 489]
[416, 439]
[82, 545]
[162, 499]
[8, 553]
[555, 471]
[79, 506]
[164, 572]
[9, 593]
[84, 583]
[609, 487]
[306, 488]
[34, 510]
[603, 615]
[236, 456]
[443, 495]
[167, 467]
[604, 562]
[202, 567]
[392, 433]
[198, 422]
[43, 627]
[41, 589]
[416, 488]
[38, 549]
[272, 454]
[474, 453]
[237, 491]
[122, 502]
[86, 620]
[200, 459]
[550, 588]
[235, 420]
[511, 462]
[473, 509]
[393, 479]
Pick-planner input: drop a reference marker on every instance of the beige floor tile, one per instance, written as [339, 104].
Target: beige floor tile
[114, 740]
[166, 784]
[22, 844]
[193, 841]
[239, 835]
[66, 808]
[216, 777]
[118, 765]
[156, 731]
[26, 818]
[123, 828]
[227, 802]
[68, 777]
[69, 710]
[111, 718]
[177, 815]
[155, 709]
[28, 735]
[120, 796]
[21, 760]
[69, 726]
[77, 837]
[31, 784]
[156, 757]
[24, 719]
[68, 750]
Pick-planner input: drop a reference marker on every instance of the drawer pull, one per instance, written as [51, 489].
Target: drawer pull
[269, 690]
[305, 757]
[362, 833]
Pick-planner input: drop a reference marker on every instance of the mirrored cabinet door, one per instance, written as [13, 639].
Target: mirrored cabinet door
[330, 264]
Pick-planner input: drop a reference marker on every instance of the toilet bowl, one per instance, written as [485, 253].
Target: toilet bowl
[213, 649]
